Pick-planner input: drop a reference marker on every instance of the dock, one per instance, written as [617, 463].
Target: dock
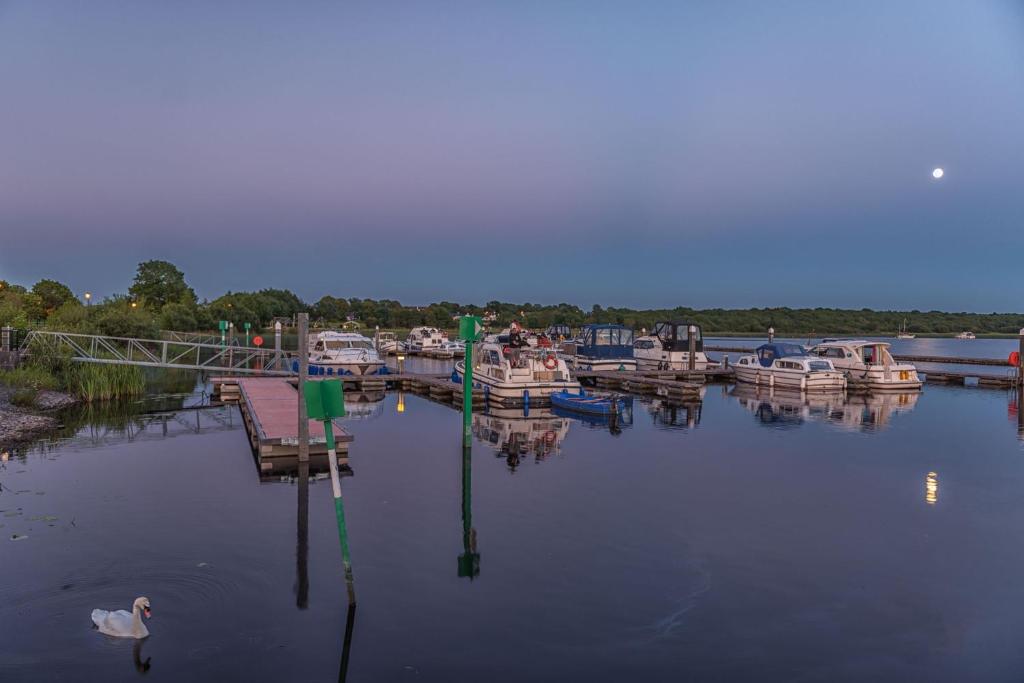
[269, 407]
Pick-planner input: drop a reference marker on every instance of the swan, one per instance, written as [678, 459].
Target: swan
[124, 624]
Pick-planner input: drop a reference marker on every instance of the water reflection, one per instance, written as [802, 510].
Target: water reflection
[469, 560]
[142, 666]
[302, 539]
[1015, 409]
[614, 424]
[931, 488]
[783, 409]
[515, 435]
[672, 415]
[346, 646]
[363, 405]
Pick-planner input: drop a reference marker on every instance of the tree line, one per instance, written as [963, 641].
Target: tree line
[159, 298]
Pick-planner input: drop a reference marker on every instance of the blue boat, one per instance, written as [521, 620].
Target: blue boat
[604, 347]
[588, 404]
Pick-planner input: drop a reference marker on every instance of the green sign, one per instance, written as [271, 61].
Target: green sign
[470, 328]
[324, 399]
[223, 324]
[247, 326]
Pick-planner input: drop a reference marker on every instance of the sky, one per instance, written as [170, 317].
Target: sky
[655, 154]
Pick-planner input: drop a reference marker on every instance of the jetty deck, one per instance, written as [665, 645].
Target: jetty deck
[270, 407]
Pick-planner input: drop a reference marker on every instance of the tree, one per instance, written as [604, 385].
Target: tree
[53, 294]
[175, 316]
[158, 283]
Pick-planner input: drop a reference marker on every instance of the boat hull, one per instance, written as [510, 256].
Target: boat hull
[518, 391]
[329, 368]
[602, 364]
[817, 380]
[673, 361]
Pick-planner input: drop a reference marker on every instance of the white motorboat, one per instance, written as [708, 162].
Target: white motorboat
[902, 333]
[868, 364]
[343, 353]
[423, 339]
[602, 347]
[966, 335]
[667, 347]
[515, 376]
[788, 365]
[388, 343]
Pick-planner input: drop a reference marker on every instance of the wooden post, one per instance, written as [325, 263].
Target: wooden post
[691, 335]
[771, 334]
[303, 322]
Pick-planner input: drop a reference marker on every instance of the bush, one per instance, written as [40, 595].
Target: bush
[178, 317]
[117, 320]
[29, 377]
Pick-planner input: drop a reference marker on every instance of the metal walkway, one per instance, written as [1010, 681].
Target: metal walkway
[158, 353]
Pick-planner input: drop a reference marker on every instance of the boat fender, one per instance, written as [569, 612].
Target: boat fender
[551, 362]
[1014, 359]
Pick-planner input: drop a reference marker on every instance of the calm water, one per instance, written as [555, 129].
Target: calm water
[753, 537]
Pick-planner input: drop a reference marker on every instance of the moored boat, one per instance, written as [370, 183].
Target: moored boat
[868, 364]
[423, 339]
[516, 376]
[602, 347]
[903, 333]
[966, 334]
[789, 365]
[667, 347]
[343, 353]
[590, 404]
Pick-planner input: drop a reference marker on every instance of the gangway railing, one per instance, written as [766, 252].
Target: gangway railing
[158, 353]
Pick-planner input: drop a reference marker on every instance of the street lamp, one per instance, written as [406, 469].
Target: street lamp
[135, 304]
[88, 298]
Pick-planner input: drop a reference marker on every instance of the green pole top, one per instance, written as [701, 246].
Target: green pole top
[470, 328]
[325, 399]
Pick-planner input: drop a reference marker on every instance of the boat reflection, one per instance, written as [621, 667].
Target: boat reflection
[782, 409]
[363, 405]
[673, 415]
[515, 434]
[931, 488]
[1015, 410]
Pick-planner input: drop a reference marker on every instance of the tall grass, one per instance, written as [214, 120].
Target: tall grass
[95, 382]
[26, 382]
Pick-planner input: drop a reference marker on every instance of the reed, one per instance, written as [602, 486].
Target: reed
[93, 382]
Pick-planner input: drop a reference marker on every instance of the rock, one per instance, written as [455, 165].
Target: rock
[54, 400]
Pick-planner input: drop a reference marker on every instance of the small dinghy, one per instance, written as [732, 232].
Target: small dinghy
[588, 404]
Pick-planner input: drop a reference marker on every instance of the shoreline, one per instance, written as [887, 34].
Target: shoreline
[20, 425]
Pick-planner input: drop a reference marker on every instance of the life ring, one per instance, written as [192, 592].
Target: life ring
[551, 362]
[549, 437]
[1014, 359]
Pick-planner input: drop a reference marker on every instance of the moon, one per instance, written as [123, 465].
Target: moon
[938, 173]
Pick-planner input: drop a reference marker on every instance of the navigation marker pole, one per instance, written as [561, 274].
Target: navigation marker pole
[470, 328]
[325, 401]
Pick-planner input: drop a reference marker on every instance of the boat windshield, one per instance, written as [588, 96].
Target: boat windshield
[819, 365]
[335, 345]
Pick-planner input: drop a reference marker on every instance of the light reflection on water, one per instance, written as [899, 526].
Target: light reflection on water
[755, 535]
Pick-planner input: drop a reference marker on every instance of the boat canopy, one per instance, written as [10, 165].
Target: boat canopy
[675, 335]
[767, 353]
[606, 341]
[558, 330]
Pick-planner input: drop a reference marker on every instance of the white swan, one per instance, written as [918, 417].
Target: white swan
[124, 624]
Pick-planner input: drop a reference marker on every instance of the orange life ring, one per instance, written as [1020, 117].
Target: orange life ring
[551, 362]
[1014, 359]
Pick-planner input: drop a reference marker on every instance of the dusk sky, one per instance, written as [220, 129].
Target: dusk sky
[643, 154]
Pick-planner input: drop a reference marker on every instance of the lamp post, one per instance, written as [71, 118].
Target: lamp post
[88, 298]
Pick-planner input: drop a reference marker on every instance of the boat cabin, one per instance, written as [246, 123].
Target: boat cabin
[675, 335]
[556, 332]
[606, 341]
[769, 353]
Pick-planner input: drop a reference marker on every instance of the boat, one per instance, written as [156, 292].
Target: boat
[558, 333]
[423, 339]
[602, 347]
[453, 349]
[902, 332]
[517, 375]
[342, 353]
[667, 347]
[590, 404]
[780, 364]
[388, 343]
[966, 335]
[868, 364]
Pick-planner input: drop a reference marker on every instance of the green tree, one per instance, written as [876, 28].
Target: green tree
[53, 294]
[158, 283]
[176, 316]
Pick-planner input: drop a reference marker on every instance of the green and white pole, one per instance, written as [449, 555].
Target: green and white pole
[469, 329]
[339, 511]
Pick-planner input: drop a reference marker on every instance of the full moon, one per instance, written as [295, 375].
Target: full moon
[938, 173]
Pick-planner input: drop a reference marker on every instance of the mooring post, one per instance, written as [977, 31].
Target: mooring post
[1020, 360]
[725, 361]
[277, 345]
[691, 335]
[771, 334]
[325, 400]
[303, 322]
[469, 329]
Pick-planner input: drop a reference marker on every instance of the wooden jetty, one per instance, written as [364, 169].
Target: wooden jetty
[269, 407]
[955, 377]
